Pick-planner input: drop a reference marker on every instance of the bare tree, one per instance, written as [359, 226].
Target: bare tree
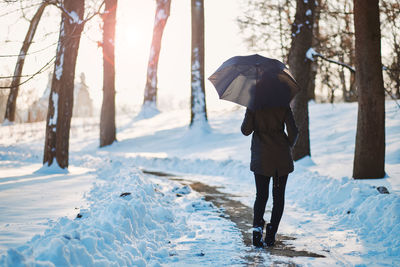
[16, 79]
[369, 155]
[265, 26]
[61, 94]
[337, 44]
[160, 20]
[107, 117]
[390, 25]
[198, 97]
[300, 66]
[3, 97]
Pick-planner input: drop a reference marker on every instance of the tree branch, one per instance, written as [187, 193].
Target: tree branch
[59, 6]
[311, 54]
[41, 70]
[94, 14]
[336, 62]
[31, 53]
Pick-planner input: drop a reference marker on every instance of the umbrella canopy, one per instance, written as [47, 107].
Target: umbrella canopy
[255, 82]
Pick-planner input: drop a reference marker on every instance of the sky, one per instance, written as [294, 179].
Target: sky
[135, 20]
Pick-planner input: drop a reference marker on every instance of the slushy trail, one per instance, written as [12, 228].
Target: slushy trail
[242, 216]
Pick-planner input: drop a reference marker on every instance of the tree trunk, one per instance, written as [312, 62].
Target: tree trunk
[311, 84]
[14, 88]
[369, 156]
[198, 98]
[62, 88]
[353, 90]
[160, 20]
[351, 94]
[395, 73]
[107, 117]
[315, 42]
[300, 66]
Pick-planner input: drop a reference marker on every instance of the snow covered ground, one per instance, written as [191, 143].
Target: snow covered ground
[163, 223]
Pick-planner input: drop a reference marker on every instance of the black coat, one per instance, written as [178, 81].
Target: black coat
[270, 146]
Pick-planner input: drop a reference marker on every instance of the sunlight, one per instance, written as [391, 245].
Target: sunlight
[129, 36]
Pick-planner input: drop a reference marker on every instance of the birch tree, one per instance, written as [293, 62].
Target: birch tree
[62, 88]
[16, 80]
[198, 98]
[369, 155]
[107, 117]
[300, 66]
[160, 20]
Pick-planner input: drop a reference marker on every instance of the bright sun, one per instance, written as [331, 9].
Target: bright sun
[130, 36]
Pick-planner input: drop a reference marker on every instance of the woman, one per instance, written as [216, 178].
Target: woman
[270, 157]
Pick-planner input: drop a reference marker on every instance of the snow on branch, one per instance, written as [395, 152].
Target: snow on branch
[74, 18]
[312, 54]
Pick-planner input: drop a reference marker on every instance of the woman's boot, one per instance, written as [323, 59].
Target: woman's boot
[270, 232]
[258, 234]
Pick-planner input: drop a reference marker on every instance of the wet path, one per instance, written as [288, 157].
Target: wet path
[242, 216]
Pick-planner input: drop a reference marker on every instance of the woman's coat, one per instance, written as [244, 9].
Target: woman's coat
[271, 146]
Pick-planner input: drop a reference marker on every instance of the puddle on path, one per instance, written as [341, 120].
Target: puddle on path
[242, 216]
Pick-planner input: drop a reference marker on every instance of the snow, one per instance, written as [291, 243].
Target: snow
[53, 119]
[198, 3]
[149, 110]
[74, 18]
[6, 122]
[26, 208]
[311, 53]
[20, 57]
[59, 66]
[197, 92]
[327, 212]
[52, 169]
[161, 15]
[298, 29]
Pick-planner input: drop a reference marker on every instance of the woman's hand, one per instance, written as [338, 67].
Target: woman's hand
[248, 123]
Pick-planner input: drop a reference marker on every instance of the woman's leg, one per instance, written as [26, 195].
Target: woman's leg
[262, 183]
[278, 195]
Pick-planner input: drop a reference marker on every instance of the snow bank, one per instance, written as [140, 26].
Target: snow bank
[354, 204]
[130, 222]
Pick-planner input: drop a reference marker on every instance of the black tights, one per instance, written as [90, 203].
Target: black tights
[278, 195]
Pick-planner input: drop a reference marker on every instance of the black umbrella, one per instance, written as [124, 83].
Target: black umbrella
[255, 82]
